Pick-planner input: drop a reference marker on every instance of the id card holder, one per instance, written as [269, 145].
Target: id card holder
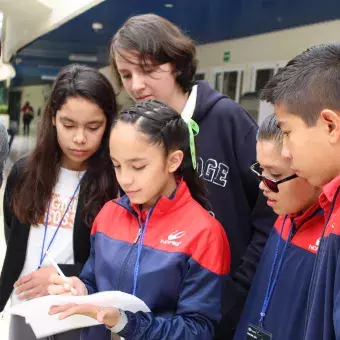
[257, 333]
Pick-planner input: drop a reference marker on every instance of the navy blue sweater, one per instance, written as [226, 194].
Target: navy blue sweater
[286, 314]
[227, 149]
[323, 311]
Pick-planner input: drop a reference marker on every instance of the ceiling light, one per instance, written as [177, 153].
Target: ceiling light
[169, 5]
[48, 77]
[83, 57]
[97, 26]
[48, 66]
[7, 71]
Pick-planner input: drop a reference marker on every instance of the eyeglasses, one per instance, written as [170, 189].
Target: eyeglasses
[271, 184]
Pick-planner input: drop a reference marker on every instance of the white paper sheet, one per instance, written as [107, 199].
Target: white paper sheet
[36, 311]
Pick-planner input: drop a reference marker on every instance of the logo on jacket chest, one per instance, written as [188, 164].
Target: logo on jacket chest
[213, 171]
[314, 247]
[174, 237]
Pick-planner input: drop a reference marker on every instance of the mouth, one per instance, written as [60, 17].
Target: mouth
[131, 192]
[78, 152]
[271, 202]
[143, 98]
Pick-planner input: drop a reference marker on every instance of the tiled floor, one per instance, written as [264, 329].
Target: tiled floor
[21, 146]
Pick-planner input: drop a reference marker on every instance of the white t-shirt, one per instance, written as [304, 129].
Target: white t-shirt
[62, 247]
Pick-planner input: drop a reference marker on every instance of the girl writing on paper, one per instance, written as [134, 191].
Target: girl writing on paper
[158, 242]
[53, 194]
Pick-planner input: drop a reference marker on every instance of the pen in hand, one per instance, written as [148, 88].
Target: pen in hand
[57, 268]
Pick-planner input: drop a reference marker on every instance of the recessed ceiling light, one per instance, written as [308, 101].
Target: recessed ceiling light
[97, 26]
[169, 5]
[48, 77]
[83, 57]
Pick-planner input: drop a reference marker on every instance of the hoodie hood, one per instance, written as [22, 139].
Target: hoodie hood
[207, 97]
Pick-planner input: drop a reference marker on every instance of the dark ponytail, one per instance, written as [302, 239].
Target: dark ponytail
[163, 126]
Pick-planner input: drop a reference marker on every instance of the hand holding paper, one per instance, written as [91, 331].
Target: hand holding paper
[74, 286]
[36, 311]
[107, 315]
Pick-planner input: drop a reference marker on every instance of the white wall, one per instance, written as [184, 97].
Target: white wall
[265, 48]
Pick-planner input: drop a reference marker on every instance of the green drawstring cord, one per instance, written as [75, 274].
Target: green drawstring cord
[193, 131]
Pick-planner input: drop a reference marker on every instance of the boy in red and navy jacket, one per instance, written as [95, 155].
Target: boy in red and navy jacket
[306, 97]
[276, 306]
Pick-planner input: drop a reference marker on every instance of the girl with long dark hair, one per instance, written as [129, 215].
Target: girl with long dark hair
[53, 194]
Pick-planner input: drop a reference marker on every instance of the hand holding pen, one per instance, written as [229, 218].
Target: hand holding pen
[62, 285]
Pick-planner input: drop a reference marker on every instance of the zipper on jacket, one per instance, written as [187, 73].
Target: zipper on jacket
[138, 235]
[134, 242]
[128, 256]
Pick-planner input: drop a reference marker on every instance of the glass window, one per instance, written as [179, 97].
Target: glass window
[262, 77]
[230, 84]
[199, 76]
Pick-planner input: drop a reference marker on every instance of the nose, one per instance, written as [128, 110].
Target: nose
[79, 137]
[125, 179]
[138, 83]
[286, 152]
[262, 186]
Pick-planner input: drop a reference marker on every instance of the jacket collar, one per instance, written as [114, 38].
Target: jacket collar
[164, 205]
[329, 190]
[301, 217]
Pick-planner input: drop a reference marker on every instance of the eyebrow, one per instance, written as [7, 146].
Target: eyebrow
[146, 65]
[136, 159]
[66, 119]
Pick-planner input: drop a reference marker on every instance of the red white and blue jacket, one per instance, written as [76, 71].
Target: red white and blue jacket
[175, 257]
[285, 317]
[324, 305]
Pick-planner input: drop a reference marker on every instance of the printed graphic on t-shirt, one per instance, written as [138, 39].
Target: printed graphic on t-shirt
[57, 210]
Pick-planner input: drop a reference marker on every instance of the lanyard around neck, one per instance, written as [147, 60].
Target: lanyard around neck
[43, 251]
[275, 274]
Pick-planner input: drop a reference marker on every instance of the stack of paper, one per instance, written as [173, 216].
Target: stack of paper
[36, 311]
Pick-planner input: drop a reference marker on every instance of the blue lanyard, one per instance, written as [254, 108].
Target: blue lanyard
[274, 276]
[43, 252]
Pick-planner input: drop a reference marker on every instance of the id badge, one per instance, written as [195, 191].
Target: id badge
[257, 333]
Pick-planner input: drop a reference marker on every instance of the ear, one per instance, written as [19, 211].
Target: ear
[331, 121]
[175, 159]
[53, 121]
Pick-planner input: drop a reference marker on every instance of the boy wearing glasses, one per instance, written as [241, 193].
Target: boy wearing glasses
[306, 96]
[276, 306]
